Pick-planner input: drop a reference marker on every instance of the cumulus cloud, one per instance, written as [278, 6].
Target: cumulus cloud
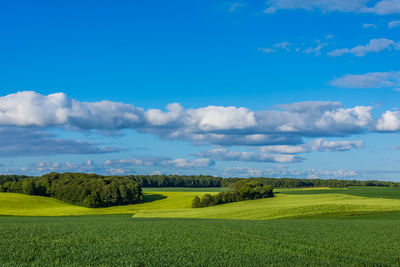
[315, 145]
[383, 7]
[389, 79]
[315, 50]
[374, 46]
[217, 125]
[324, 145]
[32, 109]
[288, 47]
[46, 166]
[280, 171]
[285, 149]
[163, 162]
[88, 166]
[324, 6]
[389, 122]
[15, 141]
[280, 153]
[114, 167]
[394, 24]
[228, 155]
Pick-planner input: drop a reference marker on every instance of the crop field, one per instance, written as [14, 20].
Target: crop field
[119, 240]
[304, 227]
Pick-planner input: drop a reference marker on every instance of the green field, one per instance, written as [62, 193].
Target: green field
[357, 226]
[119, 240]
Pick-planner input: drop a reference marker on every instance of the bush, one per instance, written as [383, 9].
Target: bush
[241, 190]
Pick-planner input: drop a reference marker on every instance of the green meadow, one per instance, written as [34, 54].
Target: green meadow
[355, 226]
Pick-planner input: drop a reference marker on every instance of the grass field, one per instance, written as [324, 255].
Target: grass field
[25, 205]
[185, 189]
[355, 226]
[176, 203]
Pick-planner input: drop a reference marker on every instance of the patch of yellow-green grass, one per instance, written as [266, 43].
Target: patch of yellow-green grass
[316, 188]
[25, 205]
[284, 206]
[283, 190]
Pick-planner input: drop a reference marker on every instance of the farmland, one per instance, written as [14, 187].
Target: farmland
[314, 227]
[120, 240]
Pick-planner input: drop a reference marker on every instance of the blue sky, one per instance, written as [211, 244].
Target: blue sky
[228, 88]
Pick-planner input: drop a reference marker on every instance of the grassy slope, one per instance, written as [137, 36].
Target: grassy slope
[120, 241]
[287, 203]
[362, 191]
[24, 205]
[283, 206]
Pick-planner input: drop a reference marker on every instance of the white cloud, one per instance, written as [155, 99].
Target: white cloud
[217, 125]
[383, 7]
[280, 171]
[285, 149]
[374, 46]
[315, 145]
[389, 122]
[163, 162]
[315, 50]
[394, 24]
[228, 155]
[369, 25]
[324, 5]
[323, 145]
[280, 153]
[389, 79]
[267, 50]
[214, 118]
[46, 167]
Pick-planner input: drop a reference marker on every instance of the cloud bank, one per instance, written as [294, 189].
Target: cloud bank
[373, 46]
[15, 141]
[212, 125]
[389, 79]
[383, 7]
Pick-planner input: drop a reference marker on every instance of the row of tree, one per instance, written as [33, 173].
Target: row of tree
[88, 190]
[295, 183]
[176, 180]
[211, 181]
[241, 190]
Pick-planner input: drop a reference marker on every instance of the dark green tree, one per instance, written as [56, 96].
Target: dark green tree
[29, 187]
[196, 202]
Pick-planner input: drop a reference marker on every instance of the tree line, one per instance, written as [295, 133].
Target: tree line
[296, 183]
[212, 181]
[241, 190]
[88, 190]
[176, 180]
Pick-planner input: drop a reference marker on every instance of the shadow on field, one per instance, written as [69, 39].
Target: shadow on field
[152, 197]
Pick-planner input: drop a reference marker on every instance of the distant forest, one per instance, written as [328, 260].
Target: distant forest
[88, 190]
[13, 183]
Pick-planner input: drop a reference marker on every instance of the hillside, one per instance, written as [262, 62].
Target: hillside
[286, 204]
